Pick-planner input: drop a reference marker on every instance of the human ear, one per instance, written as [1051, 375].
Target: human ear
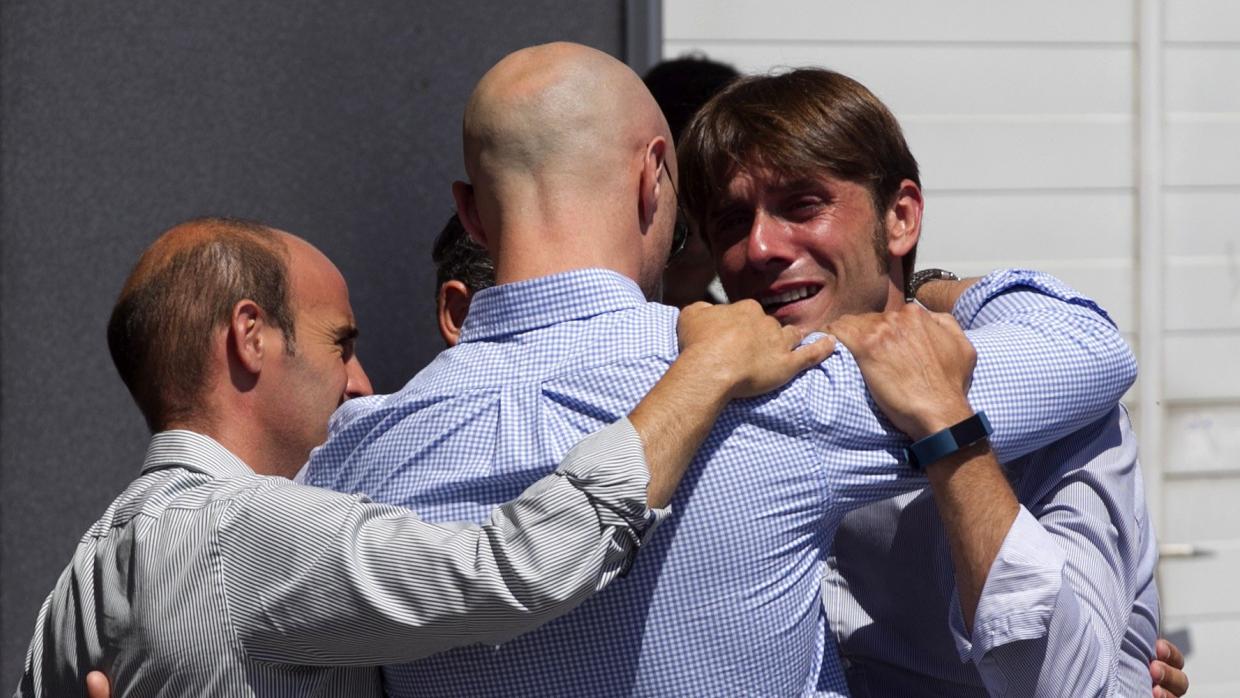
[453, 306]
[902, 219]
[245, 334]
[654, 160]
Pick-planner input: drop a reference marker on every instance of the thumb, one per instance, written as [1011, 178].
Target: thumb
[814, 353]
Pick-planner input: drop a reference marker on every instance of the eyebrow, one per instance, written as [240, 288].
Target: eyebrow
[728, 203]
[796, 185]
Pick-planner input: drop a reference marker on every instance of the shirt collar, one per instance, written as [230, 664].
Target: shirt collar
[187, 449]
[548, 300]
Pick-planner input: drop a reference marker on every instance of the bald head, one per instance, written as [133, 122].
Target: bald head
[557, 110]
[561, 138]
[181, 291]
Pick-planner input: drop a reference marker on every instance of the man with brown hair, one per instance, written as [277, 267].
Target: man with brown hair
[572, 190]
[804, 187]
[213, 574]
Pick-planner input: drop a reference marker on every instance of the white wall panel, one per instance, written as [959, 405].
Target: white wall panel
[1201, 20]
[1203, 150]
[1203, 293]
[1215, 649]
[1022, 153]
[1206, 439]
[1056, 21]
[1201, 508]
[1190, 586]
[1202, 222]
[954, 79]
[1200, 366]
[968, 225]
[1202, 78]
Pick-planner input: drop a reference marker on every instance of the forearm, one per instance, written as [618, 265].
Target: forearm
[941, 295]
[977, 508]
[355, 583]
[673, 420]
[974, 500]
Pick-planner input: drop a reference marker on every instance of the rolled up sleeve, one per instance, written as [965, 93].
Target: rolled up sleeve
[1020, 595]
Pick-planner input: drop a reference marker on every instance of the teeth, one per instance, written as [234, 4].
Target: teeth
[795, 294]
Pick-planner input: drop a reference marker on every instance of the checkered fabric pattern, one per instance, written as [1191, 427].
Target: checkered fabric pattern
[725, 597]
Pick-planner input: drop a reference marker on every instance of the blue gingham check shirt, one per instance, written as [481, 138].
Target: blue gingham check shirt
[725, 599]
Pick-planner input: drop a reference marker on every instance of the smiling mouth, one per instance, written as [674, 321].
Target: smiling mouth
[776, 301]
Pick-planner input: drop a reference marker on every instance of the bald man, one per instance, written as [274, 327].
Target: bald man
[572, 190]
[213, 574]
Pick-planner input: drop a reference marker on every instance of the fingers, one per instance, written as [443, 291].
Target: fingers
[850, 329]
[814, 353]
[1169, 653]
[944, 320]
[97, 685]
[1166, 670]
[1168, 680]
[792, 335]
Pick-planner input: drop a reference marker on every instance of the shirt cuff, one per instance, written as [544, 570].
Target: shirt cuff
[973, 301]
[1020, 594]
[610, 467]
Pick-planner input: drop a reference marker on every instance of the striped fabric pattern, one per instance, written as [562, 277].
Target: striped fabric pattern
[1074, 579]
[203, 578]
[727, 598]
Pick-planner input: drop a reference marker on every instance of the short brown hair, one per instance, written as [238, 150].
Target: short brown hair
[160, 330]
[458, 257]
[797, 123]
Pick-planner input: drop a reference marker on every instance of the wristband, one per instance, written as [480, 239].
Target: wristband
[944, 443]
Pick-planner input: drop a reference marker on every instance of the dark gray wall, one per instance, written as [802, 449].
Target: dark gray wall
[338, 121]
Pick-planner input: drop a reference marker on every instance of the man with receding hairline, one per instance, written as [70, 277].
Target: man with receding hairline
[213, 574]
[572, 190]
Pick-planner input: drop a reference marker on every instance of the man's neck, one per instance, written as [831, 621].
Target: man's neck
[239, 438]
[522, 260]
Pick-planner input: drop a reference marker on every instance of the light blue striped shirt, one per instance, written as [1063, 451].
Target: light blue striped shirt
[1070, 606]
[727, 598]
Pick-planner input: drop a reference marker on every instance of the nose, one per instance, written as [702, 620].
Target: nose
[768, 242]
[358, 384]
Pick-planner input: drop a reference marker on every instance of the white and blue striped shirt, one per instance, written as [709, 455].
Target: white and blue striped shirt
[1072, 590]
[727, 598]
[204, 579]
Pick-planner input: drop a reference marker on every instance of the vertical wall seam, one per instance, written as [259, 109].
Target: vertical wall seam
[1150, 292]
[643, 34]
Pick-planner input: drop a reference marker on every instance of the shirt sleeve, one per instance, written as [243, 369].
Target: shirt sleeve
[1049, 361]
[319, 578]
[1072, 573]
